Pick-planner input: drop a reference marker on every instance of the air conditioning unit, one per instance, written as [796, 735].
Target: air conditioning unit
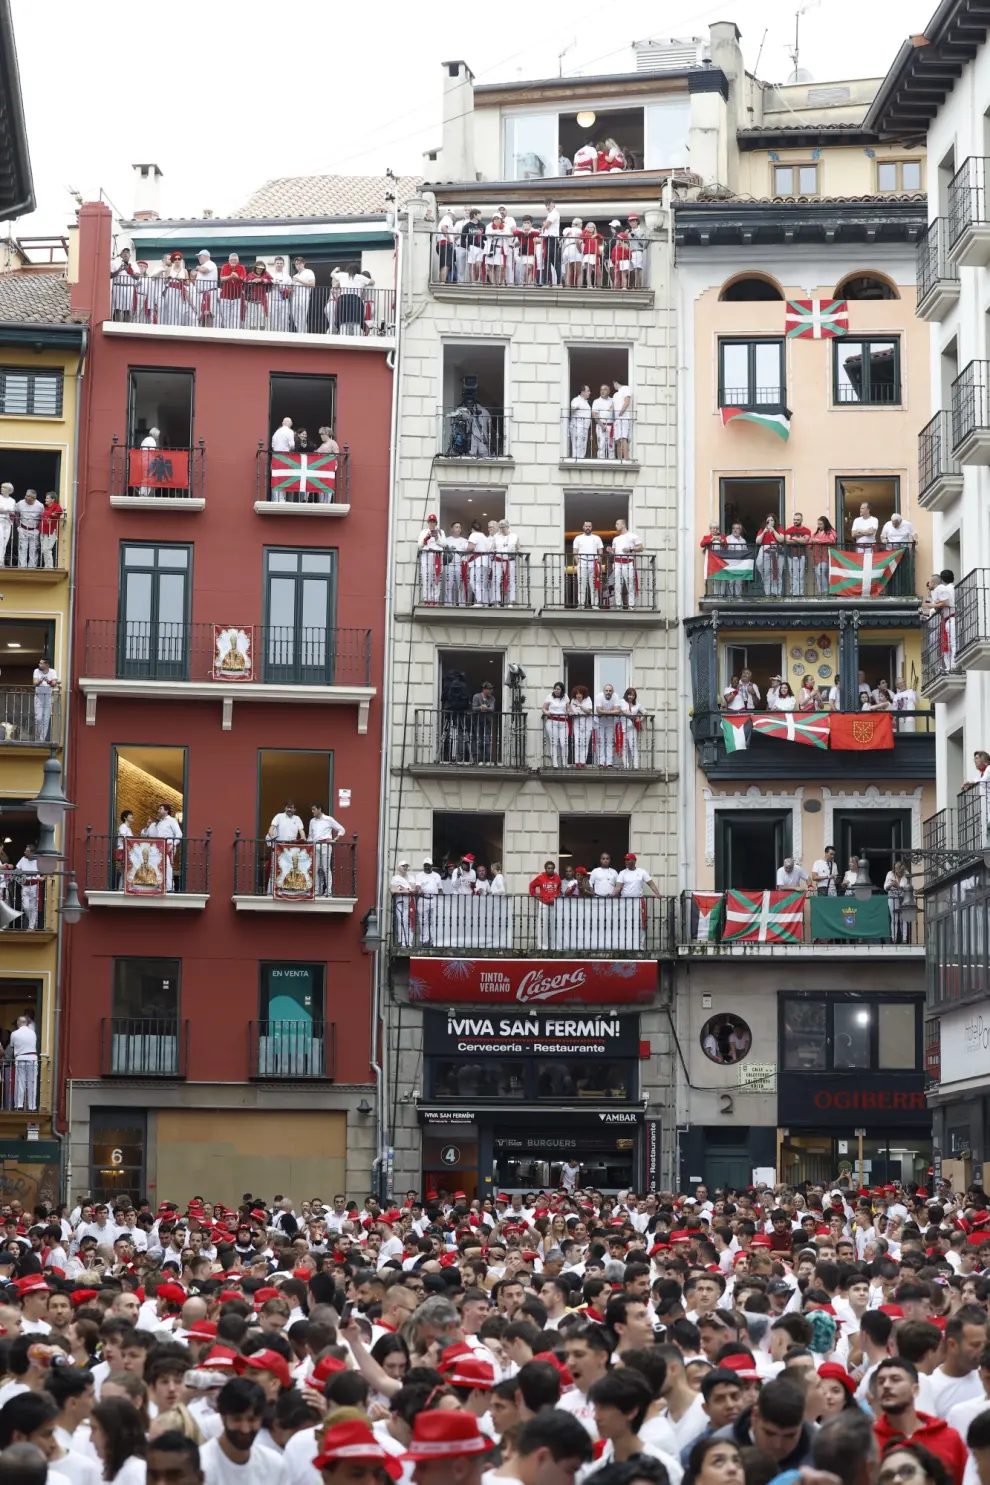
[674, 54]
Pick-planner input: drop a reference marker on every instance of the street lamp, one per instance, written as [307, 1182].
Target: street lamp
[371, 938]
[71, 909]
[909, 903]
[47, 854]
[863, 887]
[51, 803]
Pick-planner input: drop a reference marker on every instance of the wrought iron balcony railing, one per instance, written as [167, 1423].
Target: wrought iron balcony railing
[29, 717]
[457, 739]
[293, 1050]
[607, 439]
[146, 866]
[770, 573]
[254, 305]
[157, 473]
[933, 263]
[295, 871]
[506, 261]
[303, 478]
[970, 404]
[967, 201]
[622, 744]
[472, 431]
[613, 584]
[273, 655]
[451, 579]
[144, 1047]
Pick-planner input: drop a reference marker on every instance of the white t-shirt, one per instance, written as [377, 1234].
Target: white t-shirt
[796, 877]
[11, 1389]
[604, 880]
[587, 545]
[632, 881]
[46, 678]
[24, 1040]
[691, 1425]
[864, 531]
[551, 223]
[283, 441]
[961, 1414]
[896, 536]
[264, 1467]
[575, 1403]
[949, 1391]
[825, 873]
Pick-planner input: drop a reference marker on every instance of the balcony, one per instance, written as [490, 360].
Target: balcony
[972, 827]
[227, 662]
[35, 555]
[36, 898]
[597, 446]
[26, 1088]
[491, 585]
[295, 877]
[968, 223]
[576, 747]
[473, 434]
[942, 677]
[26, 722]
[940, 476]
[749, 923]
[293, 1050]
[973, 620]
[303, 484]
[505, 277]
[763, 574]
[939, 841]
[471, 743]
[602, 589]
[161, 479]
[172, 308]
[771, 757]
[145, 872]
[938, 276]
[515, 925]
[971, 414]
[143, 1047]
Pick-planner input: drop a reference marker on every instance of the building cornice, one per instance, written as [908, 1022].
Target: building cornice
[871, 219]
[925, 70]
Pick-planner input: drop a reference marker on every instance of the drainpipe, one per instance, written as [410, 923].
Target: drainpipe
[65, 1158]
[380, 966]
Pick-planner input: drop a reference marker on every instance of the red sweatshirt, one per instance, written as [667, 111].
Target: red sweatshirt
[936, 1435]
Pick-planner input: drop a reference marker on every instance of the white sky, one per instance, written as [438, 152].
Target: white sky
[223, 98]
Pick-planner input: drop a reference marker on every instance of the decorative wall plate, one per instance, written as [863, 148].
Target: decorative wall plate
[797, 670]
[824, 671]
[796, 652]
[811, 656]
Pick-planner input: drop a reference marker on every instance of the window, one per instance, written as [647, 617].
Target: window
[464, 506]
[153, 611]
[625, 126]
[751, 373]
[764, 660]
[584, 838]
[899, 175]
[455, 833]
[879, 835]
[795, 180]
[750, 289]
[582, 668]
[116, 1154]
[881, 493]
[849, 1033]
[473, 417]
[310, 401]
[867, 372]
[300, 604]
[596, 368]
[145, 777]
[531, 146]
[146, 989]
[866, 286]
[32, 394]
[159, 397]
[750, 501]
[304, 777]
[749, 847]
[667, 127]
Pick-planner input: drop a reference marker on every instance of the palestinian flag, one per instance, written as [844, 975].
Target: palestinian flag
[801, 727]
[776, 422]
[764, 918]
[736, 732]
[861, 574]
[816, 319]
[704, 916]
[734, 569]
[304, 474]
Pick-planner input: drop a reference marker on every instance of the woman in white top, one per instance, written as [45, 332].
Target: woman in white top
[786, 700]
[556, 709]
[328, 444]
[498, 880]
[480, 566]
[583, 722]
[496, 251]
[571, 249]
[895, 885]
[125, 831]
[632, 725]
[848, 883]
[402, 887]
[119, 1440]
[808, 700]
[880, 700]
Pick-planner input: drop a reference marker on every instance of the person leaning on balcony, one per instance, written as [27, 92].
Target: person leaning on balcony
[206, 275]
[547, 885]
[286, 826]
[825, 873]
[940, 608]
[634, 881]
[881, 699]
[46, 683]
[256, 290]
[792, 874]
[898, 533]
[232, 278]
[864, 529]
[526, 237]
[149, 441]
[283, 439]
[51, 520]
[785, 700]
[303, 284]
[822, 538]
[981, 770]
[797, 536]
[328, 444]
[29, 513]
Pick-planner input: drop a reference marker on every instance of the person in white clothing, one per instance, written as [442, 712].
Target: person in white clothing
[556, 710]
[864, 529]
[825, 873]
[29, 513]
[430, 545]
[402, 888]
[898, 533]
[579, 424]
[505, 556]
[582, 723]
[46, 683]
[959, 1380]
[480, 566]
[792, 874]
[608, 712]
[550, 235]
[428, 885]
[323, 831]
[206, 276]
[634, 719]
[634, 880]
[8, 515]
[24, 1044]
[303, 284]
[236, 1458]
[625, 547]
[570, 244]
[602, 415]
[940, 608]
[622, 413]
[283, 439]
[28, 877]
[286, 826]
[165, 827]
[455, 572]
[604, 879]
[148, 442]
[587, 547]
[905, 700]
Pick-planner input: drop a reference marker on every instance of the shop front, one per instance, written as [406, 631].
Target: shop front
[509, 1097]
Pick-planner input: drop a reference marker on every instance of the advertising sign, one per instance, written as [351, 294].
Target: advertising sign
[527, 982]
[542, 1033]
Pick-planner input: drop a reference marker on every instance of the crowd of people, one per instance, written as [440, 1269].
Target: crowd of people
[782, 554]
[604, 731]
[29, 528]
[830, 1335]
[826, 880]
[501, 251]
[236, 297]
[742, 694]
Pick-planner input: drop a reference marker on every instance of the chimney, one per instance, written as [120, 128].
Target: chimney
[207, 213]
[146, 178]
[457, 155]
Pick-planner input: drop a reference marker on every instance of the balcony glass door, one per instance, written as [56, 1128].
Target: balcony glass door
[300, 598]
[291, 1041]
[153, 626]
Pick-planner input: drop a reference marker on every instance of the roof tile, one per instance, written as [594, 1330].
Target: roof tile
[34, 298]
[324, 196]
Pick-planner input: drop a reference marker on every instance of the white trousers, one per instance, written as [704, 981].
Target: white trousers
[605, 730]
[28, 538]
[42, 712]
[556, 735]
[582, 738]
[48, 549]
[300, 308]
[29, 906]
[579, 431]
[26, 1082]
[455, 582]
[625, 581]
[480, 579]
[586, 570]
[6, 532]
[429, 577]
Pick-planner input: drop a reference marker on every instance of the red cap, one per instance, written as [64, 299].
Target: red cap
[83, 1296]
[355, 1441]
[566, 1380]
[32, 1284]
[302, 1273]
[220, 1359]
[226, 1294]
[894, 1311]
[743, 1366]
[204, 1329]
[471, 1371]
[174, 1294]
[326, 1368]
[268, 1292]
[448, 1435]
[266, 1361]
[831, 1371]
[760, 1241]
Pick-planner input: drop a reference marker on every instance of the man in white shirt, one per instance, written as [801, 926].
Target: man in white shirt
[942, 611]
[46, 683]
[602, 415]
[149, 441]
[746, 696]
[430, 544]
[29, 878]
[587, 547]
[285, 826]
[33, 1293]
[898, 533]
[622, 412]
[633, 879]
[429, 883]
[455, 573]
[625, 545]
[235, 1458]
[791, 874]
[24, 1044]
[604, 878]
[165, 827]
[505, 547]
[608, 714]
[303, 282]
[8, 513]
[825, 873]
[579, 426]
[283, 439]
[905, 700]
[958, 1379]
[323, 831]
[864, 529]
[29, 513]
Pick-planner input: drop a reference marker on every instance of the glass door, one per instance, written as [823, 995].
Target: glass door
[612, 670]
[292, 1035]
[153, 628]
[299, 605]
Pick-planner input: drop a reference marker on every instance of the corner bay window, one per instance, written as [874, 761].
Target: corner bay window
[847, 1035]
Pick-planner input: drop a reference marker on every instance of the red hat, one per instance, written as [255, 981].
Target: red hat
[355, 1441]
[83, 1296]
[743, 1367]
[226, 1294]
[433, 1196]
[894, 1311]
[259, 1215]
[630, 855]
[204, 1329]
[760, 1241]
[266, 1361]
[471, 1371]
[174, 1294]
[447, 1435]
[831, 1371]
[451, 1354]
[302, 1273]
[220, 1359]
[261, 1295]
[326, 1368]
[431, 518]
[460, 1195]
[33, 1284]
[566, 1380]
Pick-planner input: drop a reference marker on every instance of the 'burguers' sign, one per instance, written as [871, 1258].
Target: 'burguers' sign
[527, 982]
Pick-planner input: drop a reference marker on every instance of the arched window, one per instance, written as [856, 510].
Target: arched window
[866, 286]
[749, 287]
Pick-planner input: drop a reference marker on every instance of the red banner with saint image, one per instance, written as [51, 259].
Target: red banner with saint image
[533, 982]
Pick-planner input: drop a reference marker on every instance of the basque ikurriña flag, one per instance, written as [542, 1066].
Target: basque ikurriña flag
[304, 474]
[816, 319]
[764, 917]
[861, 574]
[803, 727]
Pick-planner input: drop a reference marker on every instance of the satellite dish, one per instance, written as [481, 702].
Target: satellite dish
[801, 75]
